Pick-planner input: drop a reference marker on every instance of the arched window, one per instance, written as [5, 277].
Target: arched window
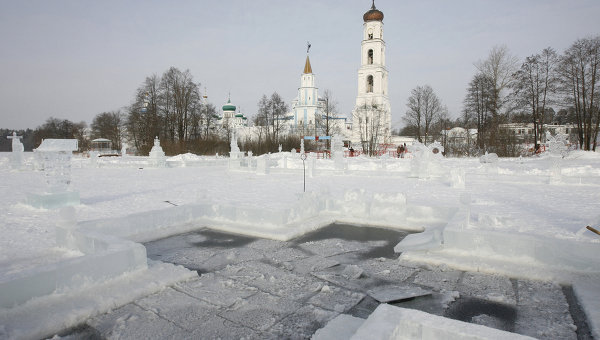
[369, 84]
[370, 34]
[370, 57]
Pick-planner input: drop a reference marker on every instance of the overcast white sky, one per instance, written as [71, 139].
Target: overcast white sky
[75, 59]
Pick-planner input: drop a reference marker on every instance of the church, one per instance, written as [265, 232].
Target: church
[371, 116]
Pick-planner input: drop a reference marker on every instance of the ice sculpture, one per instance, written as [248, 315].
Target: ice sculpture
[16, 158]
[425, 159]
[490, 163]
[337, 152]
[235, 149]
[157, 155]
[55, 156]
[558, 149]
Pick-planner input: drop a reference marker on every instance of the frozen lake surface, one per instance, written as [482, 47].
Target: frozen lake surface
[256, 288]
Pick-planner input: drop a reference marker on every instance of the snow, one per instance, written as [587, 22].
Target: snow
[519, 221]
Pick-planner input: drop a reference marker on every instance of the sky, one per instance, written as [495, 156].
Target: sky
[75, 59]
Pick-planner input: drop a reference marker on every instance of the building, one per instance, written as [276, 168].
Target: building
[230, 119]
[371, 117]
[308, 111]
[524, 133]
[307, 106]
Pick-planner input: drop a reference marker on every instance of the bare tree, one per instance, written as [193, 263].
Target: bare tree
[477, 103]
[108, 125]
[579, 77]
[179, 96]
[498, 70]
[534, 84]
[269, 120]
[144, 121]
[328, 115]
[209, 119]
[371, 127]
[57, 128]
[424, 109]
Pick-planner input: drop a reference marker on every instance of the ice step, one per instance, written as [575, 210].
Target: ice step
[342, 327]
[390, 322]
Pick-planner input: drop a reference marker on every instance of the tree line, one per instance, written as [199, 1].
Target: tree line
[547, 87]
[172, 107]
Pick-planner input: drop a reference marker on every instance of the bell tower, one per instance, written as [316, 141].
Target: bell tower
[372, 101]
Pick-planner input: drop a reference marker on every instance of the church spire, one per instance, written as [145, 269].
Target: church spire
[307, 68]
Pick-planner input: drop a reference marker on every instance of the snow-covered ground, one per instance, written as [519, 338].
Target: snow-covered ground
[520, 200]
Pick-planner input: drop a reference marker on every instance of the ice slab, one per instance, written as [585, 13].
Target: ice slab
[42, 317]
[260, 311]
[393, 293]
[181, 309]
[216, 290]
[133, 322]
[57, 145]
[313, 263]
[336, 299]
[389, 322]
[53, 200]
[586, 291]
[301, 324]
[340, 328]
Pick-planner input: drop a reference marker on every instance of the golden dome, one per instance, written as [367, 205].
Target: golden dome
[373, 14]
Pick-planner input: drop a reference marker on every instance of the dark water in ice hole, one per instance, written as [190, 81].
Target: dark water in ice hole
[464, 308]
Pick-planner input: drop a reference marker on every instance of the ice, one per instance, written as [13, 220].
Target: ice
[387, 269]
[55, 155]
[53, 200]
[43, 316]
[301, 324]
[131, 322]
[278, 281]
[400, 323]
[340, 328]
[17, 151]
[425, 161]
[352, 272]
[313, 263]
[489, 287]
[330, 247]
[545, 311]
[393, 293]
[157, 156]
[516, 225]
[262, 165]
[178, 308]
[216, 290]
[336, 299]
[260, 311]
[438, 279]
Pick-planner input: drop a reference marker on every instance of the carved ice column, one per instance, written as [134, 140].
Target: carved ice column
[55, 157]
[558, 149]
[337, 152]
